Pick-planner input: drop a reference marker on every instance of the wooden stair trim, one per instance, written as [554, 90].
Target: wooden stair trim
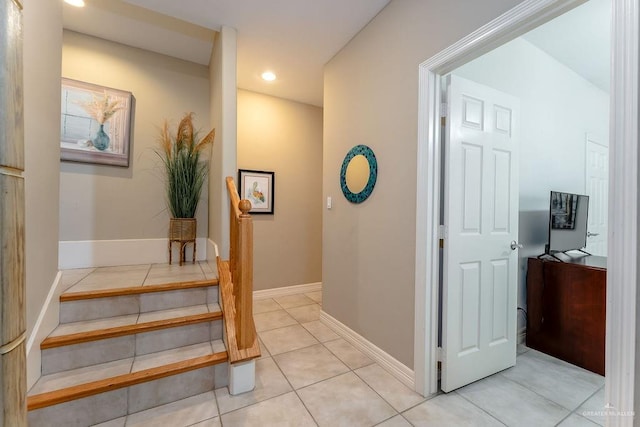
[118, 331]
[236, 355]
[136, 290]
[80, 391]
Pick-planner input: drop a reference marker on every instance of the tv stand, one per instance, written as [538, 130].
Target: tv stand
[566, 313]
[554, 254]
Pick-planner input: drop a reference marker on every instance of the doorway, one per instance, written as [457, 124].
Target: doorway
[530, 97]
[624, 131]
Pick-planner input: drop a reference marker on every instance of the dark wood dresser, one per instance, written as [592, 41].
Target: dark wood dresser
[566, 309]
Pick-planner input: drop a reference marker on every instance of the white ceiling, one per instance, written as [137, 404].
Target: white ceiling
[580, 39]
[293, 38]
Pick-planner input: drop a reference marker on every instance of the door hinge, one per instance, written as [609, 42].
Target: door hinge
[442, 231]
[444, 109]
[440, 354]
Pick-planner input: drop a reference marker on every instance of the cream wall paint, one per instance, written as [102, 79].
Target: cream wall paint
[223, 114]
[42, 23]
[284, 137]
[371, 97]
[105, 202]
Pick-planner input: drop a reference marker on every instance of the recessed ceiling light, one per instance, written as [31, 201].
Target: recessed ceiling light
[76, 3]
[268, 76]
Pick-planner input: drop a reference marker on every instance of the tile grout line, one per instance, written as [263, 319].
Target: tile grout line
[295, 391]
[579, 406]
[147, 274]
[350, 370]
[482, 409]
[544, 397]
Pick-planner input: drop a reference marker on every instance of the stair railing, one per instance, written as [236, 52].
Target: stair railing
[236, 281]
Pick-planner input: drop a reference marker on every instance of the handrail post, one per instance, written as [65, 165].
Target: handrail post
[233, 242]
[244, 282]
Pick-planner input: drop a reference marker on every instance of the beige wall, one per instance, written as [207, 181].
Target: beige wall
[284, 137]
[42, 21]
[106, 202]
[371, 97]
[223, 100]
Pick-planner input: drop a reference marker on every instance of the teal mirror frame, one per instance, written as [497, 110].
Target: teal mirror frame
[373, 174]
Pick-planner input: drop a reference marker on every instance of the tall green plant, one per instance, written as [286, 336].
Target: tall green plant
[185, 173]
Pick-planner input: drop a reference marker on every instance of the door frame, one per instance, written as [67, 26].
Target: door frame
[590, 137]
[623, 201]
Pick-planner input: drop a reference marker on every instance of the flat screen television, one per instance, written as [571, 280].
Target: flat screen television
[567, 222]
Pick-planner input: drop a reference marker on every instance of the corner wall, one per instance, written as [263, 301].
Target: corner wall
[223, 115]
[104, 203]
[371, 97]
[42, 21]
[284, 137]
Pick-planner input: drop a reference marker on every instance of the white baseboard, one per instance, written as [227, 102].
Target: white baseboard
[287, 290]
[104, 253]
[212, 251]
[47, 321]
[400, 371]
[522, 336]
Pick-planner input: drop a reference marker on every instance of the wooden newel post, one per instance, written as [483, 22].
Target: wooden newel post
[244, 282]
[13, 382]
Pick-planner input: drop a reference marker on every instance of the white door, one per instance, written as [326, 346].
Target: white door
[481, 222]
[597, 179]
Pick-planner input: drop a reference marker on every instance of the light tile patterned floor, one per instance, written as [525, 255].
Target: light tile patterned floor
[308, 375]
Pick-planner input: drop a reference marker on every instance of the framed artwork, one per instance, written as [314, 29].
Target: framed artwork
[95, 124]
[257, 187]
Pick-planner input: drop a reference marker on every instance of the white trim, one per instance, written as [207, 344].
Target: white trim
[287, 290]
[47, 321]
[104, 253]
[242, 377]
[622, 386]
[400, 371]
[522, 336]
[525, 16]
[212, 250]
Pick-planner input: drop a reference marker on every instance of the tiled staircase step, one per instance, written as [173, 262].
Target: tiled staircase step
[136, 290]
[120, 301]
[127, 329]
[81, 344]
[147, 385]
[89, 374]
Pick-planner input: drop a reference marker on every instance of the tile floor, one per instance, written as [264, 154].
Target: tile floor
[89, 279]
[308, 375]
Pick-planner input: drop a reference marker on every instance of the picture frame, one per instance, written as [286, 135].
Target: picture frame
[80, 127]
[258, 187]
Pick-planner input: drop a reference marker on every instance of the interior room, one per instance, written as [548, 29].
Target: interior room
[560, 103]
[564, 104]
[307, 306]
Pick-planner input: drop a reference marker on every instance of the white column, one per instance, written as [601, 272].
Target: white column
[242, 377]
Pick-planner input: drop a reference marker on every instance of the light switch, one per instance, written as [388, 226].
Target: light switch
[329, 202]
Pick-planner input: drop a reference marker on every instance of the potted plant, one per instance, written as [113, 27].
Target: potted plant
[185, 176]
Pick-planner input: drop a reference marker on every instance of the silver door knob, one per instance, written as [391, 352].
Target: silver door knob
[590, 234]
[515, 245]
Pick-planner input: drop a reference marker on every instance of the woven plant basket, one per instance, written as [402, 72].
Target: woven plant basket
[182, 229]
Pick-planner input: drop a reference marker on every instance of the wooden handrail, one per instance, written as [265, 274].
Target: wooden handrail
[236, 281]
[233, 196]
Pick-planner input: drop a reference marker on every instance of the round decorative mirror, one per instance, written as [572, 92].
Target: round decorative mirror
[358, 174]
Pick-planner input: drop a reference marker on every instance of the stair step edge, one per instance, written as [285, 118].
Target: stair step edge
[118, 331]
[80, 391]
[136, 290]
